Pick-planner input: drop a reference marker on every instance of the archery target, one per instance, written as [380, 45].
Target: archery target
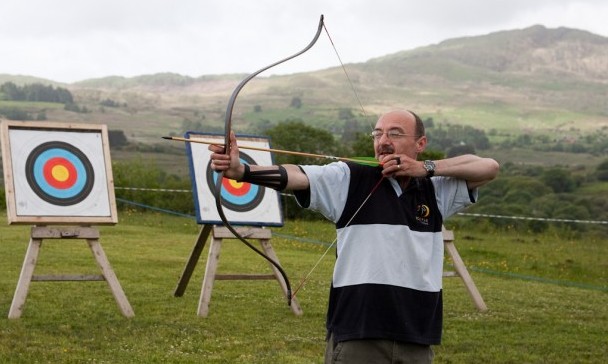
[237, 196]
[60, 174]
[243, 203]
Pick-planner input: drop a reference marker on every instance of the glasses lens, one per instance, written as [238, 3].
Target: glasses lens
[393, 134]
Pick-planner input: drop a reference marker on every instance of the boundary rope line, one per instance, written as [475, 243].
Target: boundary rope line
[533, 218]
[494, 216]
[150, 189]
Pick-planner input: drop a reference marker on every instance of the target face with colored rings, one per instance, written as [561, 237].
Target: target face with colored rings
[237, 196]
[59, 173]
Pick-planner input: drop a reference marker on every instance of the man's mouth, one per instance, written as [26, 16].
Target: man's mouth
[385, 151]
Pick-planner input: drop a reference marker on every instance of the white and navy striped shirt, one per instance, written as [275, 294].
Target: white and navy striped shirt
[387, 281]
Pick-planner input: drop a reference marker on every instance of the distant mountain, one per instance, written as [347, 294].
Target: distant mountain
[536, 51]
[22, 79]
[119, 82]
[551, 67]
[534, 79]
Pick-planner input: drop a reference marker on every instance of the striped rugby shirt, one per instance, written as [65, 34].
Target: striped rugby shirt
[387, 280]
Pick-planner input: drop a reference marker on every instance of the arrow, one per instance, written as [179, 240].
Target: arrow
[280, 151]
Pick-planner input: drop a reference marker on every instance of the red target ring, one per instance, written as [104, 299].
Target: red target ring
[60, 173]
[236, 188]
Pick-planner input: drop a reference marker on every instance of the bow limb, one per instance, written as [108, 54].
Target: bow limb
[239, 87]
[228, 128]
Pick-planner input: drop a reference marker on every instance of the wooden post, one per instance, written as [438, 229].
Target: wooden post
[220, 233]
[23, 285]
[91, 235]
[461, 270]
[199, 245]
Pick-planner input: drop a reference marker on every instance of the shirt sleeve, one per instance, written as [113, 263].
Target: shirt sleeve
[328, 189]
[453, 195]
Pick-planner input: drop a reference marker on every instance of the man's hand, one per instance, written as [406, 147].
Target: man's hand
[230, 164]
[400, 165]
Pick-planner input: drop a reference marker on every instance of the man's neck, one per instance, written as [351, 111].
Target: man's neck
[403, 182]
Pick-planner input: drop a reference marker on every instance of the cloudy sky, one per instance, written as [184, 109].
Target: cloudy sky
[73, 40]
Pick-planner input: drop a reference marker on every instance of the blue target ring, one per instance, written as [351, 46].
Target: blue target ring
[237, 196]
[59, 173]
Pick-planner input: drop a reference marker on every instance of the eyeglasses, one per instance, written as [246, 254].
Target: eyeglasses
[391, 134]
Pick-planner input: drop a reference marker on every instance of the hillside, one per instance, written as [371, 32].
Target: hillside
[563, 69]
[533, 80]
[535, 51]
[520, 78]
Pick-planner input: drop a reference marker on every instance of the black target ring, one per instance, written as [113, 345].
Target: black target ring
[59, 173]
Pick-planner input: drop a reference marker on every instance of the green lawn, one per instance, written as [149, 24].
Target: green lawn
[546, 296]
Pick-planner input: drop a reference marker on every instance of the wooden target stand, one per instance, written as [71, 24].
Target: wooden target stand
[219, 234]
[461, 271]
[36, 155]
[91, 235]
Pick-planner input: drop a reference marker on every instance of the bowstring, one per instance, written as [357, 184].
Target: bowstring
[336, 239]
[350, 82]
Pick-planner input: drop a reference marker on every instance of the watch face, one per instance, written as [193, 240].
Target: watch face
[430, 168]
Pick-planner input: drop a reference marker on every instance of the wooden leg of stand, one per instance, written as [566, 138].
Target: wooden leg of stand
[192, 261]
[23, 285]
[210, 270]
[108, 273]
[462, 271]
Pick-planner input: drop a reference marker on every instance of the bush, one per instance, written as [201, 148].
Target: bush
[601, 171]
[140, 175]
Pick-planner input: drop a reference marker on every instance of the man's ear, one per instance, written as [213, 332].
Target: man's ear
[421, 144]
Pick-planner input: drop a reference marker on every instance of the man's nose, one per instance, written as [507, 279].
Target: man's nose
[384, 139]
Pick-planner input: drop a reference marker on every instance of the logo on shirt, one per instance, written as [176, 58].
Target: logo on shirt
[422, 214]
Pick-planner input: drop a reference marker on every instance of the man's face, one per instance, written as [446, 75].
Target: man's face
[398, 135]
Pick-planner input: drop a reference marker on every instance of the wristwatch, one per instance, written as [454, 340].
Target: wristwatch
[430, 168]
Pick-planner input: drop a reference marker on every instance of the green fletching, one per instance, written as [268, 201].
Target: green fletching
[369, 161]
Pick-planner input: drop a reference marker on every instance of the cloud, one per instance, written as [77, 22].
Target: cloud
[70, 40]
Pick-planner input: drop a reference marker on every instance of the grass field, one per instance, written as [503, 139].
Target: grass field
[546, 296]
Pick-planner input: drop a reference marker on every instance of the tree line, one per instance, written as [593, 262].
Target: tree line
[35, 92]
[527, 191]
[552, 192]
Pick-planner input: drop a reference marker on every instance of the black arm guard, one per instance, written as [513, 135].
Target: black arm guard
[273, 178]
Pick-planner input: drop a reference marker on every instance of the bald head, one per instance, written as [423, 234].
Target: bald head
[410, 121]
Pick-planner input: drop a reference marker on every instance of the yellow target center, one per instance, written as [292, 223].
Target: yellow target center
[60, 173]
[235, 184]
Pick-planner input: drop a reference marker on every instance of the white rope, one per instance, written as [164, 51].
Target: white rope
[528, 218]
[534, 218]
[150, 189]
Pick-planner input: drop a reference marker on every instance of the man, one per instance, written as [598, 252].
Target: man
[385, 302]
